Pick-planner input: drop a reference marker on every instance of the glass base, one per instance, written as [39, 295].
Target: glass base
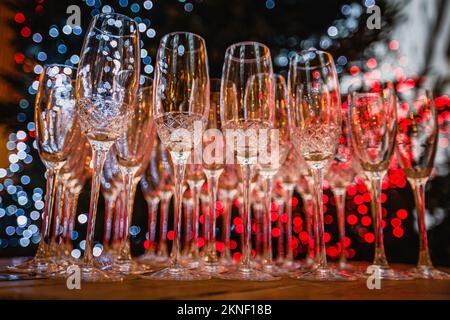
[177, 274]
[323, 274]
[388, 273]
[296, 266]
[426, 272]
[346, 266]
[39, 266]
[211, 269]
[92, 273]
[247, 274]
[5, 276]
[273, 269]
[127, 267]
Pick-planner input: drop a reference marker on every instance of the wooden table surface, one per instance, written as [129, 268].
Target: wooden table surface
[220, 289]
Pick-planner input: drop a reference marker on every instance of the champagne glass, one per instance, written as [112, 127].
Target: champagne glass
[244, 113]
[316, 126]
[181, 105]
[213, 165]
[417, 139]
[372, 123]
[107, 84]
[279, 146]
[131, 147]
[56, 126]
[340, 174]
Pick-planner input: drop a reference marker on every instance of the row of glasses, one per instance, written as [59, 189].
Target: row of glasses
[114, 106]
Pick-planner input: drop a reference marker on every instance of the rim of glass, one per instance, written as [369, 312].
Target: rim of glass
[246, 43]
[125, 18]
[303, 52]
[167, 35]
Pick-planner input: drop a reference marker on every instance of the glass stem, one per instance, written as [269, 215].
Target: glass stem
[226, 224]
[195, 189]
[339, 196]
[99, 151]
[180, 167]
[418, 187]
[380, 256]
[321, 258]
[288, 194]
[73, 214]
[117, 213]
[59, 210]
[247, 175]
[67, 211]
[309, 210]
[52, 181]
[152, 213]
[109, 204]
[162, 249]
[281, 256]
[213, 186]
[268, 254]
[130, 190]
[187, 227]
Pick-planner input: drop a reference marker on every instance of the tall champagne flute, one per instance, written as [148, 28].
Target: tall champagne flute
[372, 123]
[417, 139]
[56, 124]
[107, 84]
[340, 174]
[316, 126]
[213, 160]
[134, 143]
[181, 104]
[244, 114]
[280, 135]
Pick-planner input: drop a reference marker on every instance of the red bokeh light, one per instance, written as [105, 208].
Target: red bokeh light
[366, 221]
[25, 32]
[19, 57]
[354, 70]
[19, 17]
[398, 232]
[402, 214]
[276, 232]
[369, 237]
[352, 219]
[170, 235]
